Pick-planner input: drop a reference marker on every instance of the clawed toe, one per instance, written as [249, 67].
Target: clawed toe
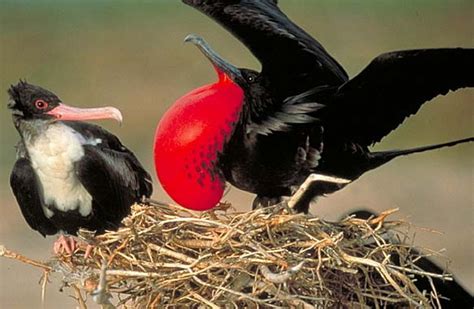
[64, 243]
[69, 245]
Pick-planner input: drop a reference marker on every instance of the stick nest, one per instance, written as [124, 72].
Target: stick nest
[267, 258]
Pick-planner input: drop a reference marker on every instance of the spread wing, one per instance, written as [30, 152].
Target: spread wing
[26, 190]
[391, 88]
[290, 57]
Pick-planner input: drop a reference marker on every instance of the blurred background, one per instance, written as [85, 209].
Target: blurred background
[130, 54]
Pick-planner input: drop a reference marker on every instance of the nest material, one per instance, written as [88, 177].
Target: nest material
[266, 258]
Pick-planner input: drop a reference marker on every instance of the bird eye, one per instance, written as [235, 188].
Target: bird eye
[41, 104]
[250, 78]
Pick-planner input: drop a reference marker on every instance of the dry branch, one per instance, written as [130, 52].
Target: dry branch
[269, 258]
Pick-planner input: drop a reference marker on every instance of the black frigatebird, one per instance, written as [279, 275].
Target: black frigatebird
[70, 174]
[265, 132]
[450, 292]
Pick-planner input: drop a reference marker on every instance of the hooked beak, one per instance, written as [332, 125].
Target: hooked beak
[224, 69]
[65, 112]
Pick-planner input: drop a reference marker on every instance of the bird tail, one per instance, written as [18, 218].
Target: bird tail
[382, 157]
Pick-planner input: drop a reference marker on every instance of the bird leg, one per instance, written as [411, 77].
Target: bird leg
[261, 201]
[308, 190]
[69, 244]
[64, 243]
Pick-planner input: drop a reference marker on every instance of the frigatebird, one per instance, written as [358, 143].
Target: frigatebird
[265, 132]
[70, 174]
[450, 292]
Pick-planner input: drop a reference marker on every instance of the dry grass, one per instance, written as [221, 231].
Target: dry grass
[270, 258]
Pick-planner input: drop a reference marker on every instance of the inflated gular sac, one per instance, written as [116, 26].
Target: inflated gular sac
[189, 139]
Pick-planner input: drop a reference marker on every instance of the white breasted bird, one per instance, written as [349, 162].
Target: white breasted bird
[70, 174]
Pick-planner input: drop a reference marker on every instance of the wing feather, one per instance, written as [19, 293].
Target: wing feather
[110, 173]
[25, 187]
[391, 88]
[290, 57]
[114, 180]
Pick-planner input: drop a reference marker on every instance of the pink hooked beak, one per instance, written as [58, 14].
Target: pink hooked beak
[65, 112]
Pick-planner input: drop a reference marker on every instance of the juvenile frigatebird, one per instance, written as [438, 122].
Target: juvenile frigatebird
[265, 132]
[70, 174]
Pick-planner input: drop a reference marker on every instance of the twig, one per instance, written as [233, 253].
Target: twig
[4, 252]
[168, 256]
[382, 270]
[101, 295]
[171, 253]
[447, 277]
[131, 273]
[292, 300]
[281, 277]
[43, 287]
[78, 297]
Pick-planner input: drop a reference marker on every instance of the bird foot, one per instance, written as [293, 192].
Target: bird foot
[303, 196]
[264, 201]
[64, 243]
[69, 245]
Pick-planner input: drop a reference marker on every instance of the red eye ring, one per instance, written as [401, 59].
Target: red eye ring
[41, 104]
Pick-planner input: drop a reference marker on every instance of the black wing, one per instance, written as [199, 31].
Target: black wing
[114, 181]
[111, 174]
[25, 187]
[290, 57]
[391, 88]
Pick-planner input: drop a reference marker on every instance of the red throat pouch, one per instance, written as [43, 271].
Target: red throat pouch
[189, 138]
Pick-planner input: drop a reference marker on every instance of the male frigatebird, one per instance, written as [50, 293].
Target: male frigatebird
[70, 174]
[265, 132]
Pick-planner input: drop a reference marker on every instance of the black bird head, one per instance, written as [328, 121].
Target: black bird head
[30, 102]
[193, 135]
[253, 83]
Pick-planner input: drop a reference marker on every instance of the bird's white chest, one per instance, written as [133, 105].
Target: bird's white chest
[53, 155]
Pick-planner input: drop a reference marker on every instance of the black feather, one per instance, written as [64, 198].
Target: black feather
[23, 182]
[302, 100]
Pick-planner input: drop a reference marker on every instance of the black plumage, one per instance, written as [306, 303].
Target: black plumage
[301, 114]
[70, 174]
